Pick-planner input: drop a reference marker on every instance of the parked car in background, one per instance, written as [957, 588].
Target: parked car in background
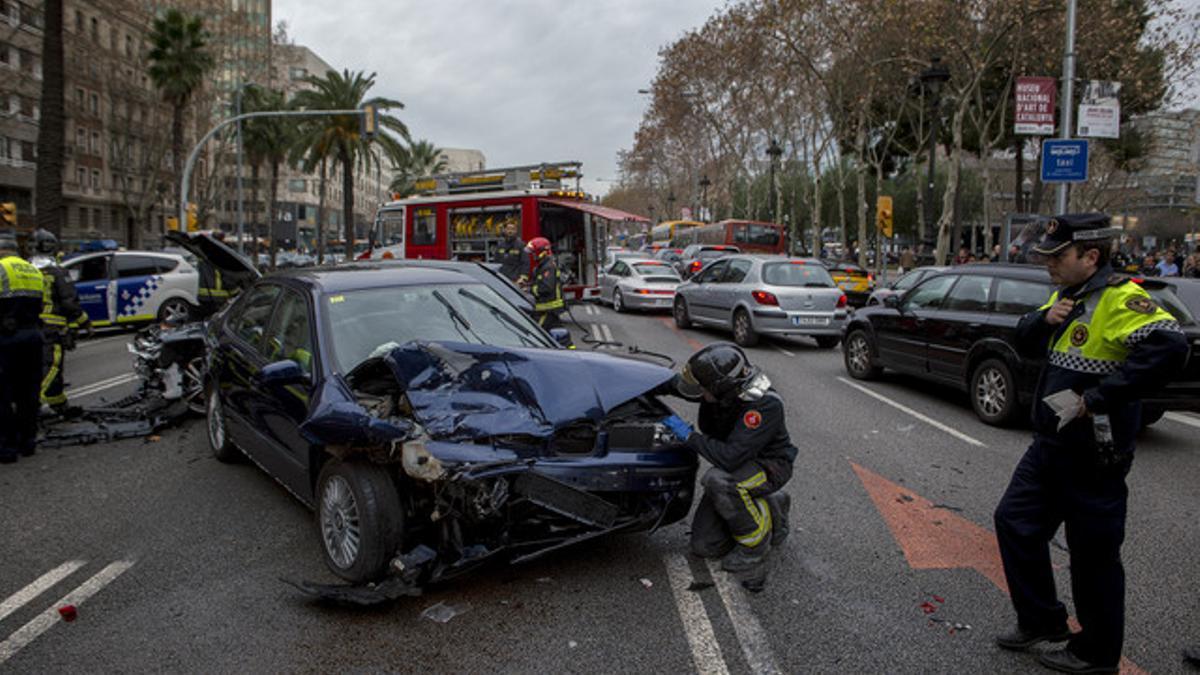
[754, 295]
[958, 327]
[853, 279]
[613, 255]
[899, 286]
[633, 283]
[670, 255]
[696, 256]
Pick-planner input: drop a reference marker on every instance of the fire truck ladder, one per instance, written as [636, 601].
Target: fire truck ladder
[549, 176]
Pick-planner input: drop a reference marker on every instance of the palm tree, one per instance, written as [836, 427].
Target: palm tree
[178, 62]
[51, 130]
[268, 140]
[338, 137]
[420, 159]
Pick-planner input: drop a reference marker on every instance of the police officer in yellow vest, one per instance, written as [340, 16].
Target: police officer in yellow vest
[62, 316]
[1106, 345]
[22, 293]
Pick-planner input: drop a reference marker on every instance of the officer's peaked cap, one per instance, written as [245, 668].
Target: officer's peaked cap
[1071, 228]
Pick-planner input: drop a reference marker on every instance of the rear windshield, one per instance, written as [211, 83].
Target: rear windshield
[760, 235]
[796, 274]
[714, 253]
[652, 270]
[1167, 299]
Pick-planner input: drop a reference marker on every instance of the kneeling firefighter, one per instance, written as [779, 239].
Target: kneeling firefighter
[743, 434]
[62, 315]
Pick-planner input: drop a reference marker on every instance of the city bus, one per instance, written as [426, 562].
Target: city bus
[462, 216]
[667, 230]
[750, 236]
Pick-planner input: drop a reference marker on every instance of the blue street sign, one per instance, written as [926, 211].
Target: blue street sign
[1064, 161]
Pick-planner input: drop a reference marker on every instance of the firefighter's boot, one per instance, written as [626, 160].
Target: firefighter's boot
[780, 504]
[745, 558]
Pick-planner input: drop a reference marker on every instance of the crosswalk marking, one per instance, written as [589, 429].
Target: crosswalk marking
[17, 600]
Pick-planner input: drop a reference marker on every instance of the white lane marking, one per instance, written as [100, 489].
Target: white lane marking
[785, 352]
[607, 332]
[756, 647]
[597, 333]
[17, 600]
[706, 651]
[1182, 418]
[593, 310]
[928, 420]
[96, 387]
[46, 620]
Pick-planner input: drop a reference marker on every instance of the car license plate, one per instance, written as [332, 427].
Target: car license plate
[810, 321]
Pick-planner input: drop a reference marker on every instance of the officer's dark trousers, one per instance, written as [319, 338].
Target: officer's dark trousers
[1053, 485]
[20, 381]
[53, 357]
[734, 510]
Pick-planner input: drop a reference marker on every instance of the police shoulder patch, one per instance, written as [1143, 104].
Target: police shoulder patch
[1141, 305]
[1079, 335]
[752, 419]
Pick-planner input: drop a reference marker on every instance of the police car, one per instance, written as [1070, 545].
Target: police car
[125, 287]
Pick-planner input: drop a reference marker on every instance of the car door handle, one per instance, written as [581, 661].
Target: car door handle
[975, 324]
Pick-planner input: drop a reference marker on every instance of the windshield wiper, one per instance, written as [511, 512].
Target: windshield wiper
[459, 319]
[523, 332]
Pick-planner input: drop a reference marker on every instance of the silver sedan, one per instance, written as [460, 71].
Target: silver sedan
[639, 284]
[754, 296]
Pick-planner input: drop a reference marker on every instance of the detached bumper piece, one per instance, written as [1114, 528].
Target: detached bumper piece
[136, 416]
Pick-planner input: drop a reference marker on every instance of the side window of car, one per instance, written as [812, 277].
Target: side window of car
[621, 269]
[1014, 296]
[165, 265]
[930, 294]
[250, 322]
[712, 273]
[737, 271]
[290, 337]
[970, 294]
[92, 269]
[136, 266]
[908, 280]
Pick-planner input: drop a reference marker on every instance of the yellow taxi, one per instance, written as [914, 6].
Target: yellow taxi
[856, 282]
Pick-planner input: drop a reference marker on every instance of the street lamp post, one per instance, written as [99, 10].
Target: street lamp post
[1026, 194]
[670, 205]
[773, 152]
[932, 79]
[704, 183]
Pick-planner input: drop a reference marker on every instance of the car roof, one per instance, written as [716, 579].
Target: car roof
[365, 276]
[1009, 270]
[101, 254]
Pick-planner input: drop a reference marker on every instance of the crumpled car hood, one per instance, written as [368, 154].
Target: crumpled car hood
[462, 391]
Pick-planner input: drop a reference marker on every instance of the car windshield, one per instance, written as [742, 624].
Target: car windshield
[365, 323]
[656, 271]
[796, 274]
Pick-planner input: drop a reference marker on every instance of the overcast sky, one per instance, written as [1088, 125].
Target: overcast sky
[525, 81]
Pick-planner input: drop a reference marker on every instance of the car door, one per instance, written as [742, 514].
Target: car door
[900, 332]
[137, 279]
[612, 280]
[237, 359]
[281, 408]
[702, 300]
[957, 325]
[726, 294]
[95, 287]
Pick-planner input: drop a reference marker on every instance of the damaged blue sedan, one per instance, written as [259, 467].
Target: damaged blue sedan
[433, 426]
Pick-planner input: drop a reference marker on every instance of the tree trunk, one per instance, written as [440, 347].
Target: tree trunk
[987, 200]
[920, 193]
[841, 203]
[880, 257]
[273, 192]
[48, 195]
[816, 209]
[321, 216]
[254, 192]
[951, 194]
[177, 149]
[1018, 176]
[860, 186]
[348, 202]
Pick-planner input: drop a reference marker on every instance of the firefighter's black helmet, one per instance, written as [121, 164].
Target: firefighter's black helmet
[45, 242]
[721, 369]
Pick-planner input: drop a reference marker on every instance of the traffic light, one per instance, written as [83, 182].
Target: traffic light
[192, 223]
[8, 211]
[369, 121]
[883, 215]
[173, 224]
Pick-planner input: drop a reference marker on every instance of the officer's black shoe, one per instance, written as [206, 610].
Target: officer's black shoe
[8, 459]
[1020, 639]
[1192, 655]
[745, 558]
[780, 504]
[1064, 661]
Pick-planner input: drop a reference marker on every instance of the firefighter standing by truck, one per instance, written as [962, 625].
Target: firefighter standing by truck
[61, 317]
[545, 284]
[511, 254]
[22, 293]
[1108, 345]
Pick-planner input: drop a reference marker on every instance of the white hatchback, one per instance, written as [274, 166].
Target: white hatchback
[124, 287]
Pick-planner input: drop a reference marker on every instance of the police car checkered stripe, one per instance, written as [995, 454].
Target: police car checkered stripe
[1082, 364]
[1140, 334]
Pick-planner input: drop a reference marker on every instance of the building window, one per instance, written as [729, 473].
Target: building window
[28, 151]
[97, 219]
[81, 139]
[79, 97]
[95, 29]
[128, 45]
[81, 176]
[5, 148]
[95, 147]
[297, 73]
[95, 104]
[78, 21]
[4, 55]
[296, 185]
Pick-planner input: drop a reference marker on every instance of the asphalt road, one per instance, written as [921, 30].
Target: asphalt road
[174, 560]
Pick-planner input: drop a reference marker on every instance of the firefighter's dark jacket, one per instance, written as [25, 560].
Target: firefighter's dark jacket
[63, 311]
[737, 431]
[514, 262]
[1115, 347]
[546, 286]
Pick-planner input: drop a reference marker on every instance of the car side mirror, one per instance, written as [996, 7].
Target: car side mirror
[562, 336]
[892, 301]
[281, 374]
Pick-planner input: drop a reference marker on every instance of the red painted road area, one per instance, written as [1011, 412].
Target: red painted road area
[934, 538]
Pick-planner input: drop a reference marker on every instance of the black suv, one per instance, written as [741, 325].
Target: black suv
[958, 328]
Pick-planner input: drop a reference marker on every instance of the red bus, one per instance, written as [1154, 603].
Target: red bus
[751, 236]
[461, 216]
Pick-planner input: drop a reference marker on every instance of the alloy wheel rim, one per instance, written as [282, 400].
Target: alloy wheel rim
[680, 312]
[175, 312]
[739, 327]
[991, 392]
[193, 384]
[216, 425]
[618, 301]
[858, 354]
[340, 529]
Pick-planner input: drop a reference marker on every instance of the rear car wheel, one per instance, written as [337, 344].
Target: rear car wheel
[618, 301]
[827, 341]
[359, 519]
[1151, 415]
[743, 330]
[218, 431]
[993, 392]
[682, 319]
[175, 311]
[856, 353]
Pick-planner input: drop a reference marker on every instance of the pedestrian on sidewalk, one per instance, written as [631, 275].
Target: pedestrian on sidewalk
[1106, 345]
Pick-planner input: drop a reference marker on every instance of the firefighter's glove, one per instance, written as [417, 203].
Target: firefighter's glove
[678, 427]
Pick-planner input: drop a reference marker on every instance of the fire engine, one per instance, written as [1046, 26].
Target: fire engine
[461, 216]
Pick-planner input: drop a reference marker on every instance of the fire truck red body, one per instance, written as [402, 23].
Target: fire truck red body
[461, 216]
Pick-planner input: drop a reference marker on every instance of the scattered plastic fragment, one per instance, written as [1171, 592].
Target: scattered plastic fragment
[939, 599]
[544, 580]
[905, 428]
[646, 582]
[904, 498]
[957, 509]
[572, 644]
[442, 613]
[928, 607]
[700, 585]
[68, 612]
[153, 439]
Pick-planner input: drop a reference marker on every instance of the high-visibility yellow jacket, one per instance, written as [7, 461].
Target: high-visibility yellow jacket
[22, 294]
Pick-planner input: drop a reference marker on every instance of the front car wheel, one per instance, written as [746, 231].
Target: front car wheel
[359, 519]
[993, 392]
